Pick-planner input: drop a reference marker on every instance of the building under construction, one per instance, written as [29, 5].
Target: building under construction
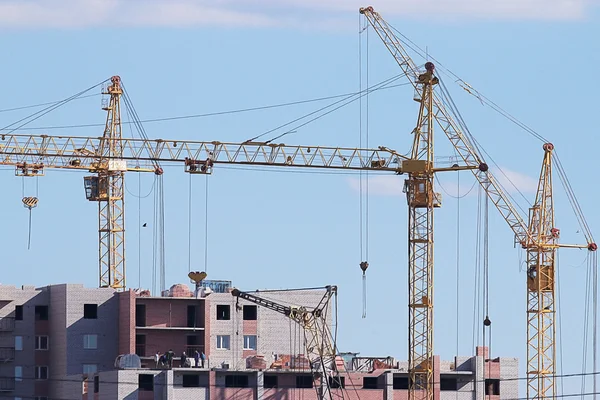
[61, 342]
[64, 338]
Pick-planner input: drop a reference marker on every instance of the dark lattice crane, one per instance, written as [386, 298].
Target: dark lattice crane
[319, 342]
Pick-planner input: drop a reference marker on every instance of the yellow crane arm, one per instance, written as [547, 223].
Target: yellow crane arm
[31, 154]
[467, 151]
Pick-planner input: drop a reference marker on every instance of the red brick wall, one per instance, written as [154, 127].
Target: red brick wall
[233, 393]
[145, 395]
[171, 313]
[354, 390]
[207, 328]
[288, 394]
[127, 322]
[482, 351]
[403, 395]
[250, 327]
[164, 340]
[436, 377]
[42, 328]
[491, 369]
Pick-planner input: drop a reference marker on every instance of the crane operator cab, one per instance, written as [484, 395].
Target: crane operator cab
[96, 188]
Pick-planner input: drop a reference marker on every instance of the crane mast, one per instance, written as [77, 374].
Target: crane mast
[421, 202]
[110, 197]
[541, 252]
[538, 238]
[319, 344]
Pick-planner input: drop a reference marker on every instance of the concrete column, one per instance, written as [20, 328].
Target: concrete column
[388, 386]
[478, 368]
[260, 388]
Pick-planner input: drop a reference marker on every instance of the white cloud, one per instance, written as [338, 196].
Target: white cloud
[305, 14]
[381, 185]
[512, 180]
[392, 185]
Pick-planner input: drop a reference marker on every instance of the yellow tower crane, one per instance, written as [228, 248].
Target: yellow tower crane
[111, 155]
[539, 237]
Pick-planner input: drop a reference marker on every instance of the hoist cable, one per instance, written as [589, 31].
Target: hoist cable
[190, 224]
[339, 104]
[213, 114]
[206, 226]
[38, 114]
[457, 261]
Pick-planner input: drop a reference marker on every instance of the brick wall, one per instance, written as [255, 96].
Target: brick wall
[171, 311]
[127, 322]
[276, 334]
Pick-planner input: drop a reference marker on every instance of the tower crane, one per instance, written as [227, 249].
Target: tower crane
[319, 342]
[111, 155]
[539, 238]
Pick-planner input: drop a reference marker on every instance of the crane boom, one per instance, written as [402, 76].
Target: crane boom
[320, 346]
[539, 237]
[31, 154]
[467, 150]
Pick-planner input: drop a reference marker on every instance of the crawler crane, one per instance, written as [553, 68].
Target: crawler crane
[538, 238]
[319, 342]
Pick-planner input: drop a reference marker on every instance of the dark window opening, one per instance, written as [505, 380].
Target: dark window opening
[96, 384]
[146, 382]
[250, 313]
[191, 380]
[18, 313]
[192, 340]
[140, 345]
[401, 382]
[336, 382]
[448, 384]
[41, 313]
[270, 381]
[191, 316]
[492, 387]
[370, 382]
[304, 381]
[90, 311]
[140, 315]
[223, 312]
[236, 381]
[41, 372]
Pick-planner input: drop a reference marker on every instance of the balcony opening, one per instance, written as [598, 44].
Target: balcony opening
[250, 313]
[448, 383]
[370, 382]
[146, 382]
[270, 381]
[18, 313]
[304, 381]
[223, 312]
[140, 315]
[400, 383]
[41, 313]
[236, 381]
[191, 380]
[90, 311]
[191, 316]
[140, 345]
[492, 387]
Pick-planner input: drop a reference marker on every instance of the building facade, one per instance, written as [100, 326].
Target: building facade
[61, 342]
[465, 378]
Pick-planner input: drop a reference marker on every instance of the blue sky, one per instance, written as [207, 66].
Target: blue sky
[273, 229]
